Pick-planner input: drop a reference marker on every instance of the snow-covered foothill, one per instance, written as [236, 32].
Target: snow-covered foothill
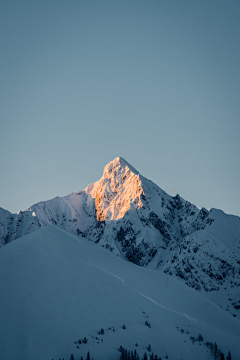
[57, 289]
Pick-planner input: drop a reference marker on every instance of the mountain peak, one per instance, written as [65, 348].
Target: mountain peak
[117, 164]
[118, 190]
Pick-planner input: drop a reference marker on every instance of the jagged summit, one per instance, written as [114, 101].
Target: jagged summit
[119, 189]
[117, 164]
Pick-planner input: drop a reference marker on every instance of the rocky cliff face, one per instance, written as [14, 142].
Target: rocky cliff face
[119, 190]
[136, 220]
[13, 226]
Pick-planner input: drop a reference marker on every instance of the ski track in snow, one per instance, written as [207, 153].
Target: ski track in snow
[117, 277]
[122, 281]
[109, 273]
[19, 273]
[168, 309]
[148, 298]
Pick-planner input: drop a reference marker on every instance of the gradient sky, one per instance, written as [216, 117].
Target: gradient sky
[155, 82]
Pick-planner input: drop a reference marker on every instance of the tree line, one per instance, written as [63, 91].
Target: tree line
[133, 355]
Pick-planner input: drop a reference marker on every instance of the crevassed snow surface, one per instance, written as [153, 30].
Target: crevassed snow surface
[57, 289]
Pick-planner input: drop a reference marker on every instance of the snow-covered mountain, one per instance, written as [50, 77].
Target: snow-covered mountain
[136, 220]
[57, 289]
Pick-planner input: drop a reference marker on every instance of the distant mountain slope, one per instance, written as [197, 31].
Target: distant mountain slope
[13, 226]
[59, 289]
[137, 221]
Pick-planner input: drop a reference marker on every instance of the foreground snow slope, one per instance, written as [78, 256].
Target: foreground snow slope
[57, 289]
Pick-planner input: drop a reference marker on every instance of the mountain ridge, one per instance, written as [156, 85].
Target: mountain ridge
[137, 221]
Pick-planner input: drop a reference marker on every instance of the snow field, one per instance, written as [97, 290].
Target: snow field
[57, 289]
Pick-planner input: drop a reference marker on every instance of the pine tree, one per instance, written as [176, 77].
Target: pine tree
[122, 357]
[215, 351]
[135, 355]
[71, 357]
[81, 358]
[149, 348]
[229, 357]
[88, 356]
[145, 357]
[222, 357]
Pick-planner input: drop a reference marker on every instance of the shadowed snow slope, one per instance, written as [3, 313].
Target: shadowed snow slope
[57, 289]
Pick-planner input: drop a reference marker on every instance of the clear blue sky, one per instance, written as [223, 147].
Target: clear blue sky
[155, 82]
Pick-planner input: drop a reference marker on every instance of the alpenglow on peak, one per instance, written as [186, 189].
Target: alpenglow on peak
[118, 190]
[119, 163]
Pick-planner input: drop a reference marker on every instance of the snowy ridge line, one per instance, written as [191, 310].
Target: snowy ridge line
[139, 222]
